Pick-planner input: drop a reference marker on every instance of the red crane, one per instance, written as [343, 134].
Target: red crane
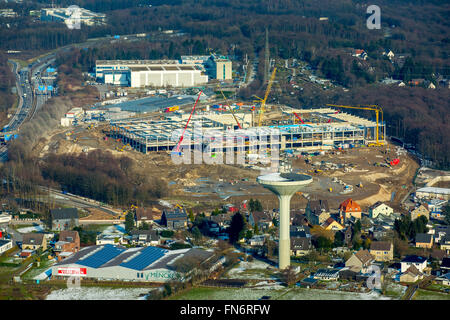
[299, 117]
[187, 123]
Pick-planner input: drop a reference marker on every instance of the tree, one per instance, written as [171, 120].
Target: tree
[249, 234]
[191, 215]
[256, 229]
[196, 233]
[323, 243]
[447, 214]
[237, 227]
[255, 205]
[129, 221]
[357, 227]
[338, 239]
[289, 275]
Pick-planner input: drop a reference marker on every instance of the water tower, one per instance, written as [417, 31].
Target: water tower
[284, 185]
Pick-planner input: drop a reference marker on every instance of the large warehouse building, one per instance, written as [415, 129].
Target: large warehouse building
[149, 73]
[110, 262]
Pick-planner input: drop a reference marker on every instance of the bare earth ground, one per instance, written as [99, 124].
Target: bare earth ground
[210, 185]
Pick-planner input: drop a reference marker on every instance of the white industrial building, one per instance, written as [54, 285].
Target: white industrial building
[433, 193]
[149, 73]
[84, 16]
[110, 262]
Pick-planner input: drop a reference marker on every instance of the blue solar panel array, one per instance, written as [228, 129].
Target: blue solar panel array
[145, 258]
[101, 257]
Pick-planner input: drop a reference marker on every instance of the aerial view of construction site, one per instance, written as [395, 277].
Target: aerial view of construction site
[169, 165]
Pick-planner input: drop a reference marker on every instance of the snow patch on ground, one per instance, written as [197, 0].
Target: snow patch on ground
[31, 229]
[93, 293]
[251, 270]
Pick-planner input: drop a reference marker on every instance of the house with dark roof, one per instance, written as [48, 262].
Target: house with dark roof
[174, 219]
[64, 218]
[317, 211]
[34, 241]
[299, 220]
[222, 219]
[300, 246]
[360, 261]
[419, 262]
[327, 274]
[299, 232]
[445, 265]
[262, 219]
[382, 250]
[424, 240]
[146, 215]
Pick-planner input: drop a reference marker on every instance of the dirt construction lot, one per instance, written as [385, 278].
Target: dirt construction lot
[212, 185]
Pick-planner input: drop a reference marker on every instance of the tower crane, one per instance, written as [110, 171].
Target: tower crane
[377, 110]
[229, 106]
[263, 101]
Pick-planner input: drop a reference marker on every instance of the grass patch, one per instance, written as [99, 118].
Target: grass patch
[430, 295]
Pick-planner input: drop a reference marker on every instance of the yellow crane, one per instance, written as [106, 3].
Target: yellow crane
[377, 110]
[263, 101]
[230, 107]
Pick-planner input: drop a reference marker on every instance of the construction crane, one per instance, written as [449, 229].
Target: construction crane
[177, 149]
[377, 110]
[298, 117]
[229, 106]
[263, 101]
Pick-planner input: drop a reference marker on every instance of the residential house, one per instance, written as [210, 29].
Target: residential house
[64, 218]
[420, 211]
[445, 243]
[145, 238]
[300, 246]
[380, 208]
[360, 53]
[174, 219]
[299, 232]
[382, 232]
[262, 219]
[257, 240]
[360, 261]
[436, 208]
[223, 220]
[440, 233]
[146, 215]
[327, 274]
[68, 243]
[317, 211]
[331, 224]
[5, 245]
[412, 274]
[299, 220]
[382, 250]
[34, 241]
[349, 208]
[389, 54]
[445, 265]
[419, 262]
[416, 82]
[424, 240]
[443, 279]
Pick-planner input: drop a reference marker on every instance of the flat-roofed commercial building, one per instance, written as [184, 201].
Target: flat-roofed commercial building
[110, 262]
[149, 73]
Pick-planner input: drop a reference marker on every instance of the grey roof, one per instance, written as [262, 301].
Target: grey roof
[317, 206]
[33, 238]
[3, 242]
[64, 213]
[175, 214]
[152, 235]
[300, 244]
[424, 238]
[380, 246]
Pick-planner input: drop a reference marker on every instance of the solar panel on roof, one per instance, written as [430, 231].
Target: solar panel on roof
[101, 257]
[146, 257]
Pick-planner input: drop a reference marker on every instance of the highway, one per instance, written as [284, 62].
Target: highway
[29, 101]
